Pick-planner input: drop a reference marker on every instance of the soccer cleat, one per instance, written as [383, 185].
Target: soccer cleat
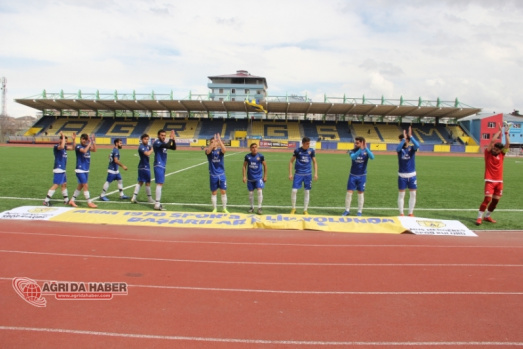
[359, 214]
[478, 221]
[251, 210]
[489, 219]
[401, 215]
[134, 201]
[214, 211]
[91, 205]
[260, 211]
[159, 208]
[47, 203]
[124, 197]
[72, 203]
[411, 214]
[104, 198]
[225, 210]
[151, 201]
[293, 211]
[305, 213]
[345, 213]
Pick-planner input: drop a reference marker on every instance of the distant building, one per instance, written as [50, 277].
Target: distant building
[483, 127]
[238, 87]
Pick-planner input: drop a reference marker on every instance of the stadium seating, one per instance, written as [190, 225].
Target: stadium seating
[367, 131]
[430, 134]
[344, 132]
[209, 127]
[389, 132]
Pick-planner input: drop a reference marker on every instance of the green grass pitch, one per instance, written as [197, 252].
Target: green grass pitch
[449, 187]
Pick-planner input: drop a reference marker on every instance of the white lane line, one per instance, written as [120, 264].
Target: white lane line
[453, 265]
[249, 243]
[251, 341]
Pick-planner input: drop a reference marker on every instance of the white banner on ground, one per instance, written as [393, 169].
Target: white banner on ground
[428, 226]
[34, 212]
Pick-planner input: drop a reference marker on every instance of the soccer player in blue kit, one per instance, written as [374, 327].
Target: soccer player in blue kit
[215, 156]
[144, 170]
[407, 170]
[59, 175]
[305, 157]
[113, 173]
[160, 147]
[255, 175]
[360, 156]
[83, 164]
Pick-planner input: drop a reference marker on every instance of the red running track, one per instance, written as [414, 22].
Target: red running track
[263, 288]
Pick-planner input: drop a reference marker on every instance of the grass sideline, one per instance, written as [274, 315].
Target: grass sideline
[449, 187]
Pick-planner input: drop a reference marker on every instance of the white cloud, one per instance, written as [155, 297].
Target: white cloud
[431, 48]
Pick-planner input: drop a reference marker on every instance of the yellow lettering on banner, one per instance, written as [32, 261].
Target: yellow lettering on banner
[122, 129]
[276, 131]
[385, 225]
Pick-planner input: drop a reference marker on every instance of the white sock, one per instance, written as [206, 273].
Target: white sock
[361, 200]
[294, 193]
[412, 201]
[137, 188]
[224, 201]
[480, 214]
[120, 187]
[401, 201]
[50, 194]
[104, 188]
[306, 198]
[260, 198]
[87, 196]
[214, 199]
[75, 194]
[251, 198]
[348, 200]
[158, 194]
[148, 192]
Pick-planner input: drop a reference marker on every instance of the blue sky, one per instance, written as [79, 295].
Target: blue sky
[472, 50]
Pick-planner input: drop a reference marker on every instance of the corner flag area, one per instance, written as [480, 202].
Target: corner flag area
[370, 224]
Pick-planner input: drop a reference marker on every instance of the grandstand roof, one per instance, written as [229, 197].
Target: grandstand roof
[272, 107]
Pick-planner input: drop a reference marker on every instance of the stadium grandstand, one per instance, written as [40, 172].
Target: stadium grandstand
[232, 111]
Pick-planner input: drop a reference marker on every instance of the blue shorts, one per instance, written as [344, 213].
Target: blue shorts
[159, 175]
[113, 177]
[82, 178]
[255, 184]
[410, 183]
[144, 175]
[59, 178]
[306, 179]
[356, 183]
[219, 181]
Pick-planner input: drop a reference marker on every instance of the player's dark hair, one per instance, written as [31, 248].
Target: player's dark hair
[144, 135]
[116, 140]
[499, 145]
[161, 131]
[250, 146]
[84, 136]
[359, 139]
[305, 140]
